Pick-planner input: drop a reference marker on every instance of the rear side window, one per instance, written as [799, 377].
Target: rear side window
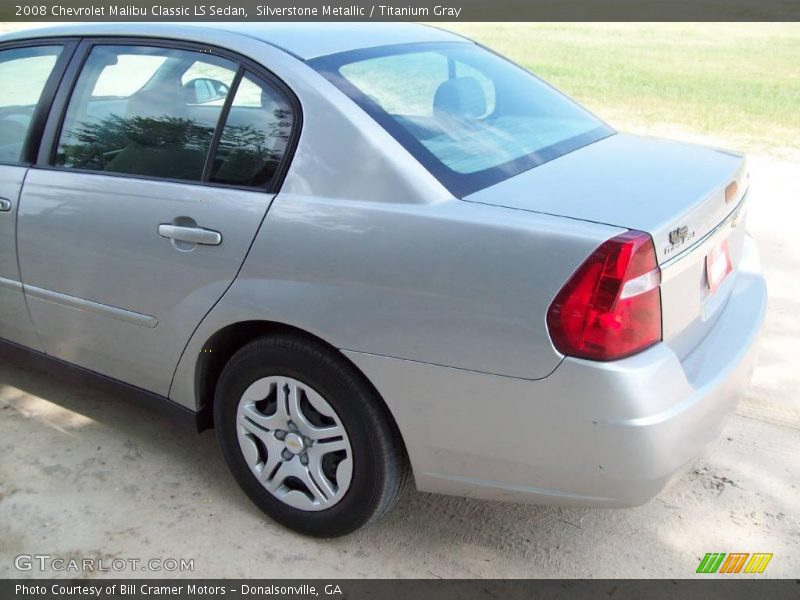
[255, 136]
[131, 112]
[24, 72]
[174, 114]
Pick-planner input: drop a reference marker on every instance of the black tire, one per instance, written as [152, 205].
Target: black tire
[380, 467]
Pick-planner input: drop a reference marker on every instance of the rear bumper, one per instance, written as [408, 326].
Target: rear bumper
[602, 434]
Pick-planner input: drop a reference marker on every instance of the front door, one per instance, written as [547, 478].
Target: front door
[25, 71]
[152, 197]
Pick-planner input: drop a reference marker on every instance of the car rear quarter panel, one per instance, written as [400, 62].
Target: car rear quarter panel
[366, 250]
[452, 283]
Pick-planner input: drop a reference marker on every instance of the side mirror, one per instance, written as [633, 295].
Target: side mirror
[203, 90]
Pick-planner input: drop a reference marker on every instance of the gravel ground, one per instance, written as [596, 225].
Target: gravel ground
[83, 474]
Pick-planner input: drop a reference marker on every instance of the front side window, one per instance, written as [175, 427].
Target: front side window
[23, 75]
[133, 112]
[469, 116]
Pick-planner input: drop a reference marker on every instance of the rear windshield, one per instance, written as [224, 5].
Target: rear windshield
[469, 116]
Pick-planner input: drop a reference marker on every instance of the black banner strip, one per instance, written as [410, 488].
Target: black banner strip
[402, 10]
[732, 588]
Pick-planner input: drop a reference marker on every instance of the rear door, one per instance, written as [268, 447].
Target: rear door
[29, 73]
[139, 215]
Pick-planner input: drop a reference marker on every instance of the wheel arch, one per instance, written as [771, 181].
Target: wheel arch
[224, 343]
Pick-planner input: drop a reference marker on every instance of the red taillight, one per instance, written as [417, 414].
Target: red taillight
[611, 307]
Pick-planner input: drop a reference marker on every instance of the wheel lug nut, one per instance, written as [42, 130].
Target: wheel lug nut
[286, 455]
[304, 459]
[281, 435]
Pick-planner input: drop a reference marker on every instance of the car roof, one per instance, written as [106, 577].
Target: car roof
[302, 40]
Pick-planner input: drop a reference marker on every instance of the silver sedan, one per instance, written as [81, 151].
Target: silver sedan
[365, 252]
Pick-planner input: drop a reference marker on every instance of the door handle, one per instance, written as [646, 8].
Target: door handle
[5, 205]
[191, 235]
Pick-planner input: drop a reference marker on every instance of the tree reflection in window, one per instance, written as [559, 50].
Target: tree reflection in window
[156, 130]
[176, 147]
[161, 146]
[255, 136]
[249, 154]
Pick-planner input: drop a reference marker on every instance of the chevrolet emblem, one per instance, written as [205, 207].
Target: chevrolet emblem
[678, 236]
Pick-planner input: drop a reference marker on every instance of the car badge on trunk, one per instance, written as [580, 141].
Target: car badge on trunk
[678, 236]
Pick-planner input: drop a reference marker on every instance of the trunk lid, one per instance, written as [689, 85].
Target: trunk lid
[674, 191]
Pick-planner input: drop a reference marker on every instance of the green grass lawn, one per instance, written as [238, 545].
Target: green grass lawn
[738, 81]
